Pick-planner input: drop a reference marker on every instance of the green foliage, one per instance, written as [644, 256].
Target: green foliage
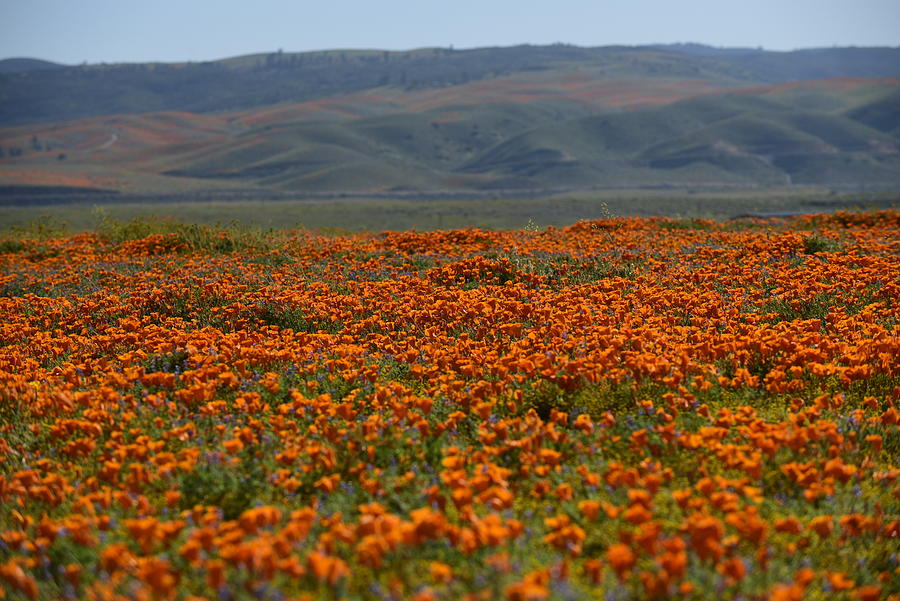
[169, 362]
[39, 229]
[15, 418]
[42, 228]
[218, 238]
[564, 268]
[685, 224]
[593, 400]
[782, 309]
[211, 483]
[815, 244]
[11, 245]
[600, 268]
[503, 212]
[138, 228]
[294, 318]
[272, 259]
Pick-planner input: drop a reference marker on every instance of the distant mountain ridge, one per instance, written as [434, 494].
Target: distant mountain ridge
[65, 93]
[525, 117]
[24, 65]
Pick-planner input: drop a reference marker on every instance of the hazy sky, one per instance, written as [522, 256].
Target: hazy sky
[73, 31]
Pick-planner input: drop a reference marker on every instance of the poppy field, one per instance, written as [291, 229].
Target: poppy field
[618, 409]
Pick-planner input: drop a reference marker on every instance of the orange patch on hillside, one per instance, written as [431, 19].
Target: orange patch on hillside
[349, 106]
[636, 93]
[593, 92]
[831, 83]
[118, 133]
[45, 177]
[449, 117]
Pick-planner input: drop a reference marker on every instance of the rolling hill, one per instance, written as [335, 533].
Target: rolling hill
[22, 65]
[493, 119]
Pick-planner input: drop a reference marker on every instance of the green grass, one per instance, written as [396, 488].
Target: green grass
[197, 236]
[128, 221]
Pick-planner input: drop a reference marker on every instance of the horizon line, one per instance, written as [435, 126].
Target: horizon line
[452, 48]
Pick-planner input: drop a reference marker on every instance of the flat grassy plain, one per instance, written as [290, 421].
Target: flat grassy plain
[380, 214]
[621, 409]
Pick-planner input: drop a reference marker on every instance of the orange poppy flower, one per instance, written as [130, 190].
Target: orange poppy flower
[621, 559]
[822, 525]
[839, 581]
[327, 568]
[440, 572]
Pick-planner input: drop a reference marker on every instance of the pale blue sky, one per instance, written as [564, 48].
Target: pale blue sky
[72, 31]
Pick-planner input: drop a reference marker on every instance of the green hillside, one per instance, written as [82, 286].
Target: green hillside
[29, 95]
[22, 65]
[494, 120]
[883, 114]
[727, 138]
